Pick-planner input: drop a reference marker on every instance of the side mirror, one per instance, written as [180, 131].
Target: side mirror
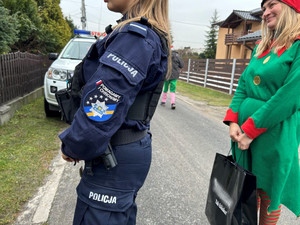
[53, 56]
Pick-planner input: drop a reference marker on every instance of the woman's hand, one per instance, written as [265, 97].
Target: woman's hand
[67, 158]
[234, 131]
[244, 142]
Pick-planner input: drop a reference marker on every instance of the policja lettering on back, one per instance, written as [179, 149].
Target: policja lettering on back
[103, 198]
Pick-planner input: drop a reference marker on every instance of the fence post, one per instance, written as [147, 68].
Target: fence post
[189, 69]
[206, 71]
[232, 76]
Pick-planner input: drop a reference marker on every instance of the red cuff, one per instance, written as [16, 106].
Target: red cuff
[231, 117]
[249, 128]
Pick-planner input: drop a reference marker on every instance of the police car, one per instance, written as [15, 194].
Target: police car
[63, 67]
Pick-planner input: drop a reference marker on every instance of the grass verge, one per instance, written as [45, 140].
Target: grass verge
[197, 93]
[28, 143]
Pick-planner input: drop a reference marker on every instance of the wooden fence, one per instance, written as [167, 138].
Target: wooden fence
[21, 73]
[219, 74]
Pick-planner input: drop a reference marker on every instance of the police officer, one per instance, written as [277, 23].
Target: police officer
[123, 76]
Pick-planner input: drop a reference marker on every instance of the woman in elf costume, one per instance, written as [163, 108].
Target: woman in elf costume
[264, 115]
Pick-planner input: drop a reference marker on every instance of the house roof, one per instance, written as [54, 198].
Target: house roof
[256, 12]
[250, 37]
[237, 16]
[246, 15]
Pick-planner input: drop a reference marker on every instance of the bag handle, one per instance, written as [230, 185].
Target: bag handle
[232, 146]
[248, 152]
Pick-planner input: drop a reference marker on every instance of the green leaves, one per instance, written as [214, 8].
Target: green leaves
[33, 26]
[56, 28]
[211, 38]
[8, 30]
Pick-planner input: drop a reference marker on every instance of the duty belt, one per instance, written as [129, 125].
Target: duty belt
[121, 137]
[126, 136]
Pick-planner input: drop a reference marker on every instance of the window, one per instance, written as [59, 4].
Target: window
[248, 27]
[76, 50]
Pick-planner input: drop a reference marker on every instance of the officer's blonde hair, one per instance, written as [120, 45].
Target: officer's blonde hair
[157, 12]
[285, 33]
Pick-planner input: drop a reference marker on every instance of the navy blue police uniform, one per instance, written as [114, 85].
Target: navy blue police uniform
[128, 63]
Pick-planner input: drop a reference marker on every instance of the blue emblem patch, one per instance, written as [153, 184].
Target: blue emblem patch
[100, 103]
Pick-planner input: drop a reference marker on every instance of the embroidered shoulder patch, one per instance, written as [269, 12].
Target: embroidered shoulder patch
[101, 102]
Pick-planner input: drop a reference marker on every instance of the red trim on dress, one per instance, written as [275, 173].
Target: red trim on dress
[279, 53]
[264, 54]
[249, 128]
[231, 117]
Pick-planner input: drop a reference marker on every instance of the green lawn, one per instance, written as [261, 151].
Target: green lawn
[28, 143]
[198, 93]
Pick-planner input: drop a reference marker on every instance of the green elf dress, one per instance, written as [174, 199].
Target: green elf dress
[266, 105]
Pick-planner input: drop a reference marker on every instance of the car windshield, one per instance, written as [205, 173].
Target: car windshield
[76, 50]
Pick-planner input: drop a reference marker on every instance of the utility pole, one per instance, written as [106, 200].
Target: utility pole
[83, 15]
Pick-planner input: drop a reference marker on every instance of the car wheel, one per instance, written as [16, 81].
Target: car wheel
[48, 112]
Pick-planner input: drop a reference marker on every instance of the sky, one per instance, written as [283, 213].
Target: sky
[190, 19]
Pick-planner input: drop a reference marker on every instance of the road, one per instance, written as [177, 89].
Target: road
[185, 141]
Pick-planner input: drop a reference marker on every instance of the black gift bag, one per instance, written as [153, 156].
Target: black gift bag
[231, 196]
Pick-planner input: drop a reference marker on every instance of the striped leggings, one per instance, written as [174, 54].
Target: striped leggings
[263, 202]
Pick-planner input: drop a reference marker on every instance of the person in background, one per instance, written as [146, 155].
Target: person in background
[264, 116]
[177, 64]
[121, 71]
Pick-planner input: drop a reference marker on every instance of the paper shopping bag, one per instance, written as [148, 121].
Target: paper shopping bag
[231, 196]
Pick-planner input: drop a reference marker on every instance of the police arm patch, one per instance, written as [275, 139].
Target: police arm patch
[100, 103]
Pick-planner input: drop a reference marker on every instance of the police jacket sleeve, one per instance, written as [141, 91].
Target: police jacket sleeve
[110, 92]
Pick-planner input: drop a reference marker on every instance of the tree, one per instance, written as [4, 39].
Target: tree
[8, 30]
[187, 53]
[41, 26]
[56, 31]
[211, 38]
[71, 25]
[25, 11]
[202, 55]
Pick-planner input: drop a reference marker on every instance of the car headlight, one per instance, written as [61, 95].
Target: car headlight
[58, 74]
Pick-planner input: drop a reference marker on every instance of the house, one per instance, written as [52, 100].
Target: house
[238, 34]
